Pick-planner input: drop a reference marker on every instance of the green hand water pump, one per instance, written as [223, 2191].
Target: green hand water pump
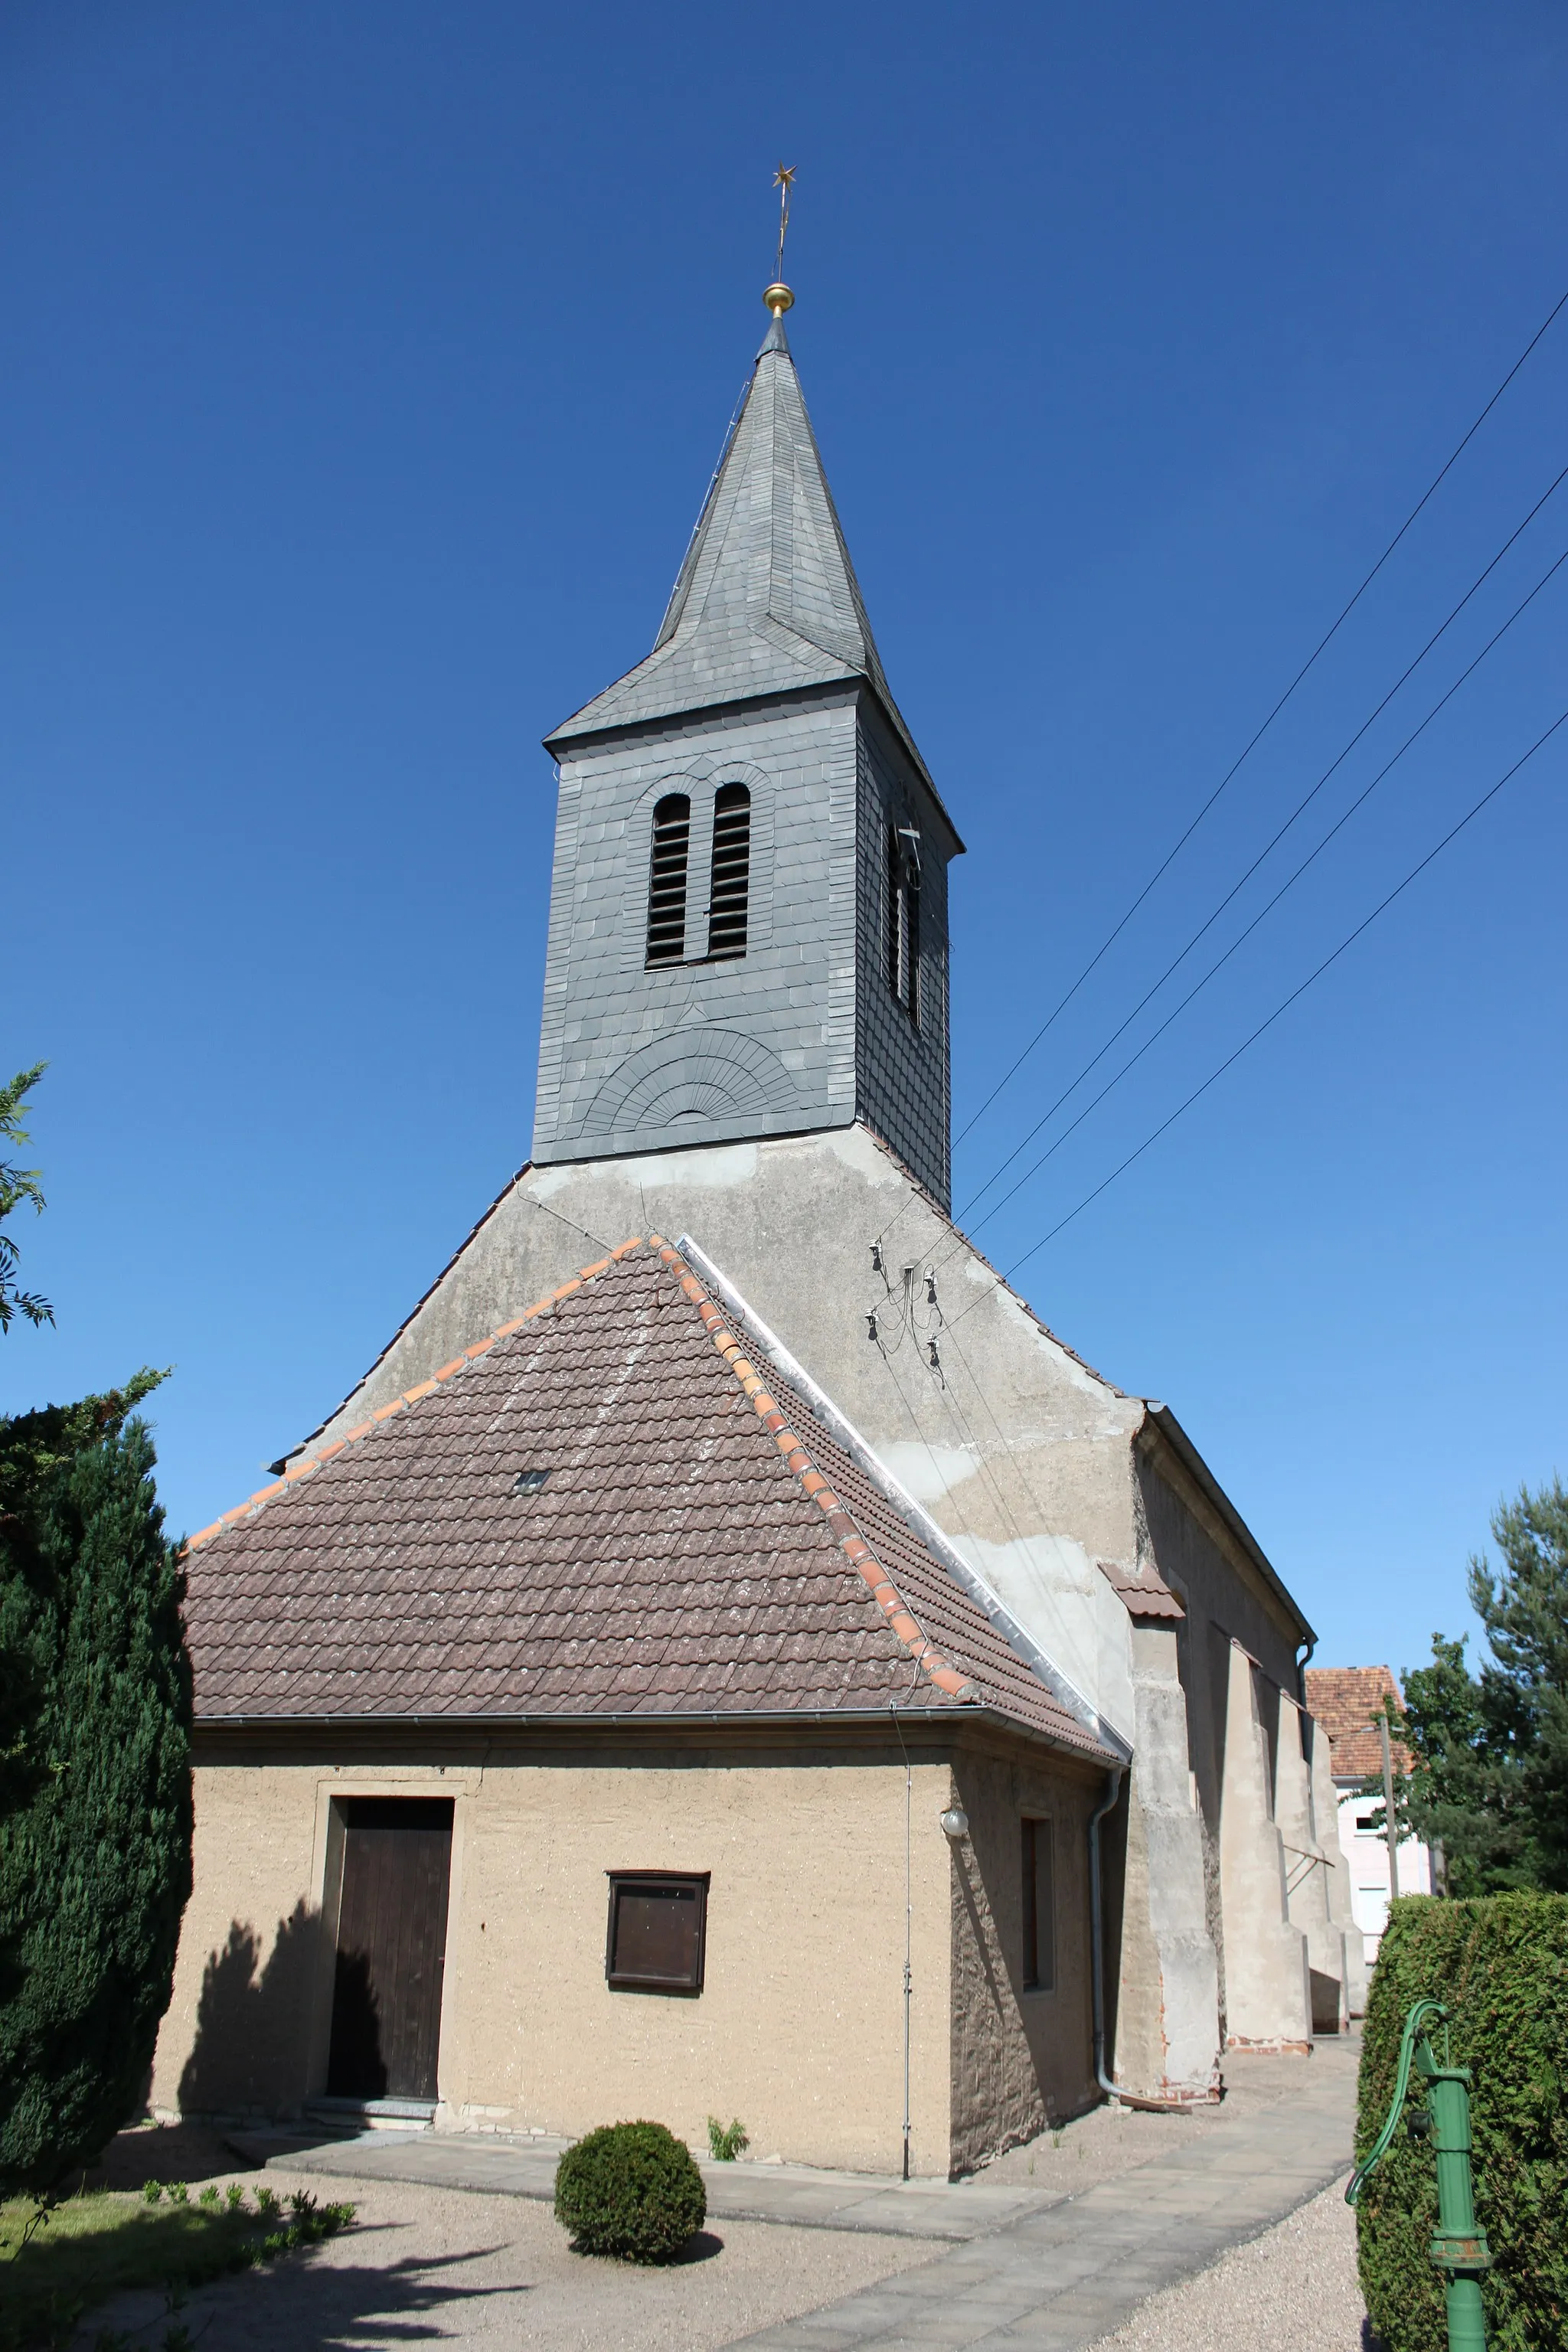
[1459, 2243]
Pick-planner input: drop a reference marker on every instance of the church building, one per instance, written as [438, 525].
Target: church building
[728, 1655]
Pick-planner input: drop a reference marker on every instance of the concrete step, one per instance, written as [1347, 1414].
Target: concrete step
[348, 2118]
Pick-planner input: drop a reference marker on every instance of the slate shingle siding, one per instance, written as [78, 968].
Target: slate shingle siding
[802, 1031]
[902, 1064]
[771, 1032]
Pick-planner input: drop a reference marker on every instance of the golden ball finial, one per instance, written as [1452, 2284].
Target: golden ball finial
[779, 299]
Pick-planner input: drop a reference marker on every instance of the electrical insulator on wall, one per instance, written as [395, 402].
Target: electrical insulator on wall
[876, 1257]
[871, 1326]
[934, 1359]
[931, 1287]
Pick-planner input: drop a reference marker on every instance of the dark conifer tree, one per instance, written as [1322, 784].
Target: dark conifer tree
[95, 1783]
[1490, 1778]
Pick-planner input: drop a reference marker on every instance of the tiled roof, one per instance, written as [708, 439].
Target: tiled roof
[701, 1545]
[1347, 1702]
[1144, 1591]
[767, 600]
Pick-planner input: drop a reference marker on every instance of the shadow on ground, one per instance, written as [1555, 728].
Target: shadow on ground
[312, 2306]
[315, 2306]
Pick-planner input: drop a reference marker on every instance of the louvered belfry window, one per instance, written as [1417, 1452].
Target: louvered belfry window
[903, 924]
[666, 880]
[728, 900]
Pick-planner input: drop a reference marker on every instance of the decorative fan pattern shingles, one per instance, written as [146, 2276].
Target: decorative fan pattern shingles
[675, 1561]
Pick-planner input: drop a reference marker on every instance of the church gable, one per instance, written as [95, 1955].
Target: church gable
[602, 1511]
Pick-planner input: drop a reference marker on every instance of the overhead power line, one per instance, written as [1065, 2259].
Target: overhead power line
[1319, 649]
[1299, 810]
[1312, 977]
[1242, 937]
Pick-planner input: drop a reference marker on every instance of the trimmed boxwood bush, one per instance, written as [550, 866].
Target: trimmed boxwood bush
[1499, 1966]
[630, 2190]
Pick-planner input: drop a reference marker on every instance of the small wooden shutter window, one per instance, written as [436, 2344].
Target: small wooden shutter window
[729, 899]
[666, 880]
[658, 1931]
[1040, 1907]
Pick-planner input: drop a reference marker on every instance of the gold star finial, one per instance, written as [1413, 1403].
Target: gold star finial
[778, 296]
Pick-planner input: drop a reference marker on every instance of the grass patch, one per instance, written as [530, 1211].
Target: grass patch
[90, 2247]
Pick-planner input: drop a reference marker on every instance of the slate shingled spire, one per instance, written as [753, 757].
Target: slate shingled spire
[748, 909]
[766, 601]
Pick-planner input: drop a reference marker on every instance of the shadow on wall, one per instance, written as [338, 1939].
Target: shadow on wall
[253, 2024]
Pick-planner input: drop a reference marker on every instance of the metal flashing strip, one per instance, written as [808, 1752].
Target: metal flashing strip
[935, 1539]
[943, 1718]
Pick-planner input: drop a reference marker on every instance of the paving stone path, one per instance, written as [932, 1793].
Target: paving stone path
[1060, 2278]
[800, 2194]
[1023, 2265]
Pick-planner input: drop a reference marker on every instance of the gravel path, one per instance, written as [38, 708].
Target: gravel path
[434, 2265]
[1292, 2289]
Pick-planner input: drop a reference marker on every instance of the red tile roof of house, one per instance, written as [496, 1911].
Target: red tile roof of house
[702, 1545]
[1347, 1702]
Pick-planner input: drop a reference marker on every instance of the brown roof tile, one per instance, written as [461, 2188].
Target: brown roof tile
[1143, 1590]
[703, 1544]
[1347, 1702]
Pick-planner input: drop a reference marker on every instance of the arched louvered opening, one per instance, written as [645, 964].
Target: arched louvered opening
[904, 921]
[728, 900]
[666, 880]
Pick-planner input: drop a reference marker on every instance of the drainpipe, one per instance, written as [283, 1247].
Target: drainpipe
[908, 1919]
[909, 1940]
[1112, 2090]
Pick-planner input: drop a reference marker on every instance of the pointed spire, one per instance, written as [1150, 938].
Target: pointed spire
[766, 601]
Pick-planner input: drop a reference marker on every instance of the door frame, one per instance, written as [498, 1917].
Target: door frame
[330, 1841]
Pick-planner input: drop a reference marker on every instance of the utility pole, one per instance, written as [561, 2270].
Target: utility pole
[1390, 1830]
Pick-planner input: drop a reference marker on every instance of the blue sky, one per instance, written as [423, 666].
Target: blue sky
[364, 367]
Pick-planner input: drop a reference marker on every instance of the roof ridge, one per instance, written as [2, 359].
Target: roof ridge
[305, 1465]
[878, 1580]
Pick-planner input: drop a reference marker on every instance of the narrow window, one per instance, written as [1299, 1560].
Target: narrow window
[666, 880]
[727, 899]
[1039, 1908]
[904, 921]
[658, 1931]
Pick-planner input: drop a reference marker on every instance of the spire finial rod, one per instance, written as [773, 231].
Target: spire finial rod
[778, 296]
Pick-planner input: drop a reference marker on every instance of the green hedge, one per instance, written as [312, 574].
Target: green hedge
[1499, 1966]
[630, 2190]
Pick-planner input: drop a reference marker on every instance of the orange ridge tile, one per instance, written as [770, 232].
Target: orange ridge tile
[308, 1463]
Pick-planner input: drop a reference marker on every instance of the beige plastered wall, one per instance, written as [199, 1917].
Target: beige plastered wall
[1021, 2058]
[799, 2029]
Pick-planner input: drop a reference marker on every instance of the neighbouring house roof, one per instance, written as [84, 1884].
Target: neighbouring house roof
[766, 601]
[1141, 1591]
[1347, 1702]
[701, 1545]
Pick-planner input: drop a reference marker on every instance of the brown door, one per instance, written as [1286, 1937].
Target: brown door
[392, 1947]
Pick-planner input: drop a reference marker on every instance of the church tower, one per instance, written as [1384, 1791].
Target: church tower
[748, 922]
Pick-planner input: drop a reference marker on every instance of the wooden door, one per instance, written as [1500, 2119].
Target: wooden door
[392, 1947]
